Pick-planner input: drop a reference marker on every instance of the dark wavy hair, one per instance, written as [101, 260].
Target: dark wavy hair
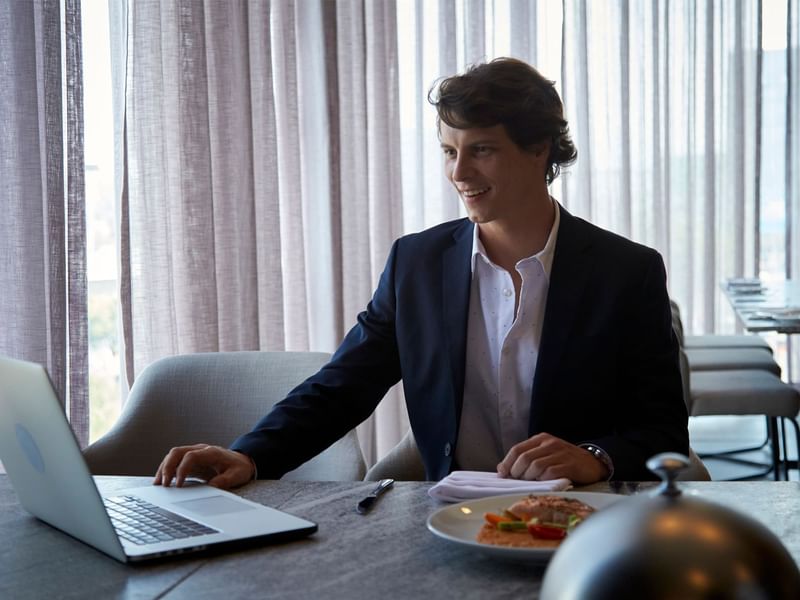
[511, 93]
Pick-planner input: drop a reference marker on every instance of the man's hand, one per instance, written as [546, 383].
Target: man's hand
[544, 456]
[219, 466]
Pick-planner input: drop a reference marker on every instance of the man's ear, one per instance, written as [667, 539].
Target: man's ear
[542, 149]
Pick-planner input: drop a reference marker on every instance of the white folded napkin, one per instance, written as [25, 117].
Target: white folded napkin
[468, 485]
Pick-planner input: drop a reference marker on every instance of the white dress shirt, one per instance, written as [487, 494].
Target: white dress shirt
[501, 353]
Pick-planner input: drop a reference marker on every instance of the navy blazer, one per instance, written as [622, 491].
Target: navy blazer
[607, 373]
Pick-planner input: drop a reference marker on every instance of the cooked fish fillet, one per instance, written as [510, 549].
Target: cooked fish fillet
[550, 509]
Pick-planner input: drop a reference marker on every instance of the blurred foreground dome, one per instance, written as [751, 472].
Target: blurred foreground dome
[669, 546]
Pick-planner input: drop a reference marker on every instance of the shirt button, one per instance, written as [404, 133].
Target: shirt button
[447, 449]
[506, 350]
[507, 292]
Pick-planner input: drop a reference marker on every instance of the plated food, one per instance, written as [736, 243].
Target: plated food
[460, 523]
[534, 522]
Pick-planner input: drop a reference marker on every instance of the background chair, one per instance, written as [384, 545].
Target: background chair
[749, 392]
[404, 463]
[723, 352]
[711, 340]
[744, 381]
[716, 340]
[731, 359]
[213, 398]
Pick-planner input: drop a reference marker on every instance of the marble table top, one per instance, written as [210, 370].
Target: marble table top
[387, 553]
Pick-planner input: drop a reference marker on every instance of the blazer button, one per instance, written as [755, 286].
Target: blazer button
[447, 449]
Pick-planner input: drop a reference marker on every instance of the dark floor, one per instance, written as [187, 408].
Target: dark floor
[710, 434]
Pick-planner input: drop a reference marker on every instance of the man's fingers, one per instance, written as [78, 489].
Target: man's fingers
[520, 459]
[157, 477]
[201, 461]
[504, 469]
[169, 466]
[219, 466]
[554, 471]
[173, 462]
[546, 457]
[531, 464]
[542, 457]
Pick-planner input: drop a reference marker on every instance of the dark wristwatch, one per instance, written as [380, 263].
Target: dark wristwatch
[600, 455]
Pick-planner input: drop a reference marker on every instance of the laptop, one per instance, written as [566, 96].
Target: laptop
[44, 463]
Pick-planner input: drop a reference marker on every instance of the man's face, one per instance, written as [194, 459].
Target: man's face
[494, 177]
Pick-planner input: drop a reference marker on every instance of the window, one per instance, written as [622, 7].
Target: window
[772, 217]
[101, 228]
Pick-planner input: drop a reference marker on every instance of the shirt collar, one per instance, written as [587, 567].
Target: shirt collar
[544, 256]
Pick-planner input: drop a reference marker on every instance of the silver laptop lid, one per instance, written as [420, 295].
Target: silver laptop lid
[43, 459]
[47, 469]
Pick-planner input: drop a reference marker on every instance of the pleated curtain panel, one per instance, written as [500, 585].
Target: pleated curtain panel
[271, 151]
[262, 175]
[43, 287]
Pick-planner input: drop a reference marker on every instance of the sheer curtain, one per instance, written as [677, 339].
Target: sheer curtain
[667, 103]
[682, 111]
[261, 185]
[273, 150]
[663, 102]
[42, 232]
[792, 151]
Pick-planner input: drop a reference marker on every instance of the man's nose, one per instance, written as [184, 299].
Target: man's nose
[462, 168]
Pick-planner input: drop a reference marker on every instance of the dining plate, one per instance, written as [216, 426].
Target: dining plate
[459, 523]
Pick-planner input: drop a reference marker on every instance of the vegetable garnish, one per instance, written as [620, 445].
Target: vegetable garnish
[573, 522]
[537, 528]
[546, 532]
[512, 526]
[495, 519]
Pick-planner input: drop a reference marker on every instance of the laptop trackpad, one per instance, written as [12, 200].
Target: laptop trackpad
[213, 505]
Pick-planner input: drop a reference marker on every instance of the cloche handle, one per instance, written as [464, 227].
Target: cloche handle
[668, 465]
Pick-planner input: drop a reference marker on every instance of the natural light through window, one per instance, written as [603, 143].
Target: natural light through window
[104, 359]
[773, 193]
[428, 199]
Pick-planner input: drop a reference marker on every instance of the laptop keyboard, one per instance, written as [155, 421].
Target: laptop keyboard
[141, 522]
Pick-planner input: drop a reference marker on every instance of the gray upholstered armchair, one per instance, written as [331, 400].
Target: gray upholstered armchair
[212, 398]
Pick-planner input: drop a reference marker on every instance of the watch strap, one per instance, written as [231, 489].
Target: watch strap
[600, 455]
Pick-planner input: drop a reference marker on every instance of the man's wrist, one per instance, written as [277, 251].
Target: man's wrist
[254, 475]
[601, 455]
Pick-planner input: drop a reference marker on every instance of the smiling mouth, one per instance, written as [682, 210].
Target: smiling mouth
[474, 193]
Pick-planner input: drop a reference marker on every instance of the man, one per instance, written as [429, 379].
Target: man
[528, 341]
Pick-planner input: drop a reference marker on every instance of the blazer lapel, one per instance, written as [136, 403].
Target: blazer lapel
[572, 264]
[456, 280]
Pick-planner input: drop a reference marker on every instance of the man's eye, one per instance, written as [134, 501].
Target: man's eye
[482, 150]
[449, 152]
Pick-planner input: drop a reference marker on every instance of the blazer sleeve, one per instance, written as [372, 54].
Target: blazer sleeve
[650, 412]
[341, 395]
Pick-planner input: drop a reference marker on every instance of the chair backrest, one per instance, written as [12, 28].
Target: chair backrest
[404, 463]
[677, 323]
[697, 471]
[213, 398]
[685, 379]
